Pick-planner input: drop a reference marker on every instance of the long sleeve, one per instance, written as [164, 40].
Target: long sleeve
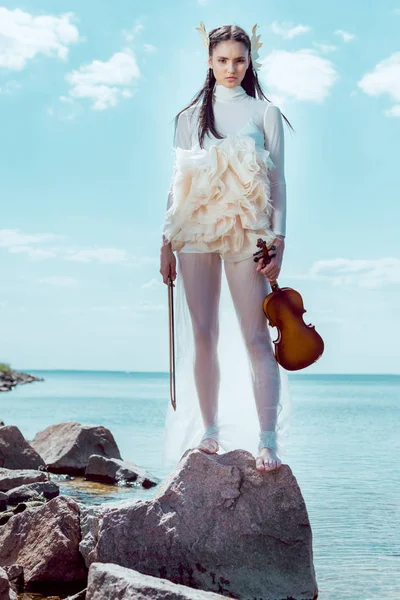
[182, 140]
[274, 142]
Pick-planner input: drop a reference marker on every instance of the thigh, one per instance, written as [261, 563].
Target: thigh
[248, 289]
[201, 276]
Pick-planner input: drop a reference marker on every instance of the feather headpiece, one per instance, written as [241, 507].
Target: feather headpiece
[255, 44]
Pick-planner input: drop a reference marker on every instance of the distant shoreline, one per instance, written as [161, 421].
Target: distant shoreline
[9, 378]
[291, 374]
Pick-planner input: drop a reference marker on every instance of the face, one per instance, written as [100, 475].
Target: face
[229, 62]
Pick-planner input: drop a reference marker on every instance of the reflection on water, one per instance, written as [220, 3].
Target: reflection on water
[93, 493]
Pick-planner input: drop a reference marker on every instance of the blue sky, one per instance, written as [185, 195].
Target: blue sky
[88, 93]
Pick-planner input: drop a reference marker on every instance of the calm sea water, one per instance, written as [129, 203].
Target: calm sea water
[343, 450]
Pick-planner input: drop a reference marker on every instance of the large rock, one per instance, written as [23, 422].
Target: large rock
[113, 581]
[79, 596]
[217, 524]
[3, 501]
[15, 574]
[66, 447]
[24, 493]
[113, 470]
[6, 592]
[45, 541]
[10, 479]
[15, 452]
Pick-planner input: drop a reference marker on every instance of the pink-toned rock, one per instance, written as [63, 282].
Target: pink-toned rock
[79, 596]
[3, 501]
[15, 452]
[113, 581]
[216, 524]
[6, 592]
[24, 493]
[66, 447]
[10, 478]
[113, 470]
[15, 574]
[45, 541]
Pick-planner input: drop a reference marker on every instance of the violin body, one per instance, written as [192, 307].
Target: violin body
[298, 345]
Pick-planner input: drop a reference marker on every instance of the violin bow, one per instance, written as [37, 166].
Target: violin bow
[172, 387]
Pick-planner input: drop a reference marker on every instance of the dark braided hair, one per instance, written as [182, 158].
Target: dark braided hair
[250, 82]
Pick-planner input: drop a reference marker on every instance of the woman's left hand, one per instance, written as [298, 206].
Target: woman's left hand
[272, 270]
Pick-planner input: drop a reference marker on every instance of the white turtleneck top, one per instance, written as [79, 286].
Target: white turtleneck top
[238, 114]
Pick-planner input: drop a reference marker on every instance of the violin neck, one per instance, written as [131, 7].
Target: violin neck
[274, 285]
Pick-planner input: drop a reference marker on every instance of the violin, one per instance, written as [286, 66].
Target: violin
[298, 345]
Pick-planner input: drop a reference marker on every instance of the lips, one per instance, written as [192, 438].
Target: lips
[231, 78]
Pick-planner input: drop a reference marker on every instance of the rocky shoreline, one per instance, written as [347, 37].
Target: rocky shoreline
[10, 378]
[214, 528]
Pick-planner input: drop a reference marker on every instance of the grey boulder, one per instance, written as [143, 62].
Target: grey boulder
[16, 452]
[67, 447]
[113, 470]
[216, 524]
[31, 491]
[45, 542]
[113, 581]
[10, 478]
[6, 591]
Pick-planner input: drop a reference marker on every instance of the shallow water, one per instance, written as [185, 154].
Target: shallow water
[343, 450]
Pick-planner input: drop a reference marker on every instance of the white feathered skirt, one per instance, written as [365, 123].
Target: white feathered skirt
[221, 203]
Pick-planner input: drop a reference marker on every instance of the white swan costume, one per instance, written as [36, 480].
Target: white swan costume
[222, 198]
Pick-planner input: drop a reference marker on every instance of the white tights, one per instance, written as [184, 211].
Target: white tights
[201, 276]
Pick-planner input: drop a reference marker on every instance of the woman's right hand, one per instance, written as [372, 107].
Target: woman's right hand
[167, 262]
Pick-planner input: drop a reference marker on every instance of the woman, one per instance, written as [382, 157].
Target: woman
[228, 190]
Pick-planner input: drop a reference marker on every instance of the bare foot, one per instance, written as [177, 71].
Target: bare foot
[209, 445]
[267, 460]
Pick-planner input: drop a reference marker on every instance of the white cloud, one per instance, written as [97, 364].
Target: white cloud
[371, 273]
[139, 308]
[14, 237]
[148, 307]
[58, 280]
[101, 255]
[325, 48]
[392, 112]
[153, 283]
[345, 35]
[289, 31]
[104, 82]
[36, 246]
[24, 36]
[131, 34]
[16, 242]
[303, 74]
[10, 87]
[33, 253]
[150, 48]
[384, 79]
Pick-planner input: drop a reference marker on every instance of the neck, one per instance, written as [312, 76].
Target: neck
[228, 94]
